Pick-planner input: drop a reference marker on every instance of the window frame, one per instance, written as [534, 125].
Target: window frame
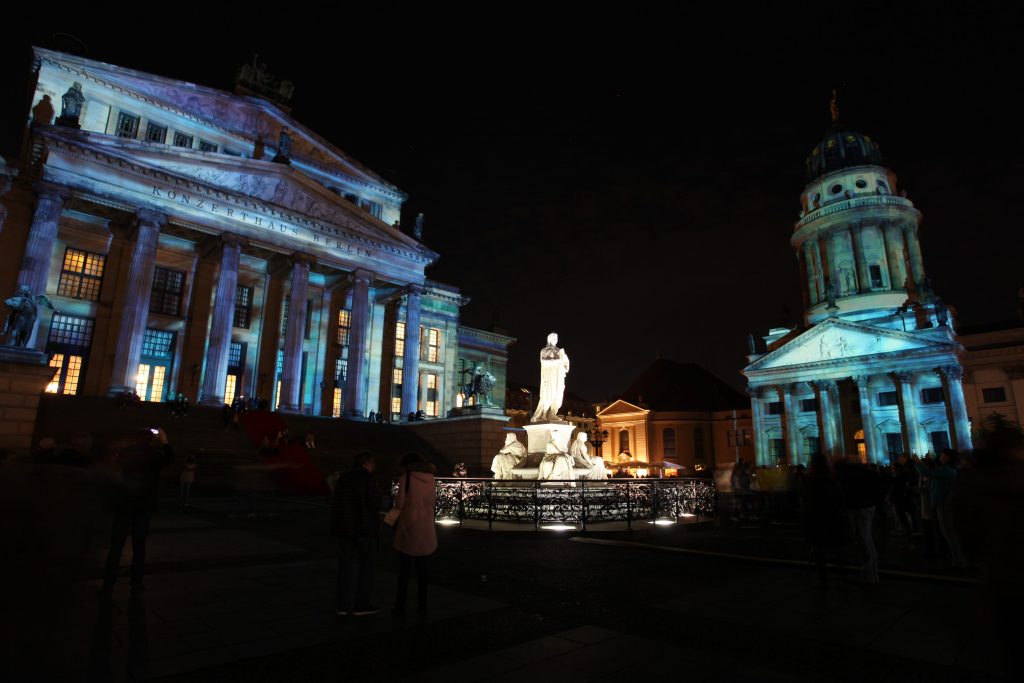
[82, 275]
[158, 297]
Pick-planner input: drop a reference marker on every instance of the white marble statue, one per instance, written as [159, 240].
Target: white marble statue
[554, 365]
[556, 463]
[508, 458]
[580, 457]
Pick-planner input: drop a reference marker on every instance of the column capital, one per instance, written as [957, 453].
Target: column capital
[231, 240]
[361, 276]
[50, 190]
[301, 257]
[150, 217]
[418, 290]
[822, 384]
[753, 392]
[902, 377]
[862, 381]
[951, 372]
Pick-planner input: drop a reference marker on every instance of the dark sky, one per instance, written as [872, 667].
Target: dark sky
[632, 182]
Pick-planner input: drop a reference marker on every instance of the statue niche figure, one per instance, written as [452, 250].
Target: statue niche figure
[21, 316]
[595, 465]
[508, 458]
[554, 366]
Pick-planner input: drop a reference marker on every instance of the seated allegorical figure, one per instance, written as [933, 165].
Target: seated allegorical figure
[508, 458]
[578, 451]
[556, 463]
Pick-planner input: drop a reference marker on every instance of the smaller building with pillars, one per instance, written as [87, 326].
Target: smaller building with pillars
[875, 368]
[203, 242]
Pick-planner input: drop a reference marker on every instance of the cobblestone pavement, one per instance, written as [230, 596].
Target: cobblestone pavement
[246, 594]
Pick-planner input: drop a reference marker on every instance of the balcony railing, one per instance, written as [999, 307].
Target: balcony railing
[577, 503]
[856, 202]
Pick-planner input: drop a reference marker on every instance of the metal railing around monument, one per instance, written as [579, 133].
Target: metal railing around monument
[577, 503]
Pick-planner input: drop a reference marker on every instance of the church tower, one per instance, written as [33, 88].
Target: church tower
[874, 369]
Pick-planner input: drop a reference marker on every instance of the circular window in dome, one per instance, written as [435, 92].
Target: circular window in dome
[836, 189]
[861, 183]
[816, 198]
[882, 185]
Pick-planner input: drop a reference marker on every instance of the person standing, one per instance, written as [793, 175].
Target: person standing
[355, 522]
[135, 502]
[187, 478]
[822, 509]
[862, 491]
[941, 482]
[415, 534]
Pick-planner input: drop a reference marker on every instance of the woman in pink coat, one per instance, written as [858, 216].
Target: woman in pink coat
[415, 535]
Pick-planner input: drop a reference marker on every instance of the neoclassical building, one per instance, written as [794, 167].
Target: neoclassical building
[875, 368]
[199, 241]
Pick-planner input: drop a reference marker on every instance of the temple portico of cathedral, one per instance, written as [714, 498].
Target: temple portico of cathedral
[204, 242]
[875, 369]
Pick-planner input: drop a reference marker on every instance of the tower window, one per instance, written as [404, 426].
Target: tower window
[861, 183]
[836, 189]
[875, 272]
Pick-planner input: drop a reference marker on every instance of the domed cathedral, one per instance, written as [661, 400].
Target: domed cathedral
[874, 369]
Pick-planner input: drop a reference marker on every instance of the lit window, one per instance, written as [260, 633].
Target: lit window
[229, 389]
[336, 403]
[81, 275]
[396, 406]
[66, 372]
[399, 340]
[127, 125]
[344, 327]
[398, 378]
[65, 329]
[432, 349]
[157, 344]
[431, 407]
[167, 290]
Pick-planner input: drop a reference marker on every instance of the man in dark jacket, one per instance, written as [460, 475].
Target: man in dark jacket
[135, 502]
[355, 522]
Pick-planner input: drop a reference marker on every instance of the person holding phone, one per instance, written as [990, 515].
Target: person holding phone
[134, 502]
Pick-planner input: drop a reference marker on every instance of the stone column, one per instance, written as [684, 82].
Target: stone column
[354, 393]
[805, 293]
[871, 445]
[914, 252]
[828, 263]
[218, 344]
[294, 335]
[411, 357]
[756, 415]
[863, 279]
[135, 313]
[35, 263]
[812, 277]
[792, 435]
[826, 416]
[7, 175]
[956, 408]
[894, 256]
[908, 411]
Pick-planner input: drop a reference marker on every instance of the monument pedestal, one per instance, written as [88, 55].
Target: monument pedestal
[24, 374]
[472, 438]
[539, 433]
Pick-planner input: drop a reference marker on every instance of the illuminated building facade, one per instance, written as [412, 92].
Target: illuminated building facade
[875, 369]
[681, 413]
[994, 371]
[198, 241]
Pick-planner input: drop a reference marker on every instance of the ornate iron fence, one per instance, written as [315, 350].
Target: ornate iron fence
[576, 503]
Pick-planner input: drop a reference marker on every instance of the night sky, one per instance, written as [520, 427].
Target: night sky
[632, 182]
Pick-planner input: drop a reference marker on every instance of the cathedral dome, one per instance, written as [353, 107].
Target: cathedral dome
[841, 148]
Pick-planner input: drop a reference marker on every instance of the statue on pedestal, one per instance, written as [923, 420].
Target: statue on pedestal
[554, 366]
[508, 458]
[556, 463]
[595, 465]
[21, 318]
[71, 106]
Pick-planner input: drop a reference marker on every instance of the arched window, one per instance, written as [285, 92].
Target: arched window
[668, 438]
[698, 443]
[623, 441]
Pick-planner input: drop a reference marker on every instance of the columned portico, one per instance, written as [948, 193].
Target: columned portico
[956, 406]
[826, 416]
[871, 445]
[792, 430]
[35, 264]
[757, 417]
[908, 412]
[411, 355]
[355, 383]
[136, 301]
[219, 341]
[295, 333]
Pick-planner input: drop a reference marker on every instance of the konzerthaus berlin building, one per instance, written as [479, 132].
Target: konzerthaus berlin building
[876, 367]
[206, 242]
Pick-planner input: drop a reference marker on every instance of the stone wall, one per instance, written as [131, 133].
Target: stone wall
[474, 440]
[21, 385]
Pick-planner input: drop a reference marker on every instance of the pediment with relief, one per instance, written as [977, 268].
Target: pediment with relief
[834, 340]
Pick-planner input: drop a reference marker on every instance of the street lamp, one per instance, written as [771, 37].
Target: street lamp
[598, 437]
